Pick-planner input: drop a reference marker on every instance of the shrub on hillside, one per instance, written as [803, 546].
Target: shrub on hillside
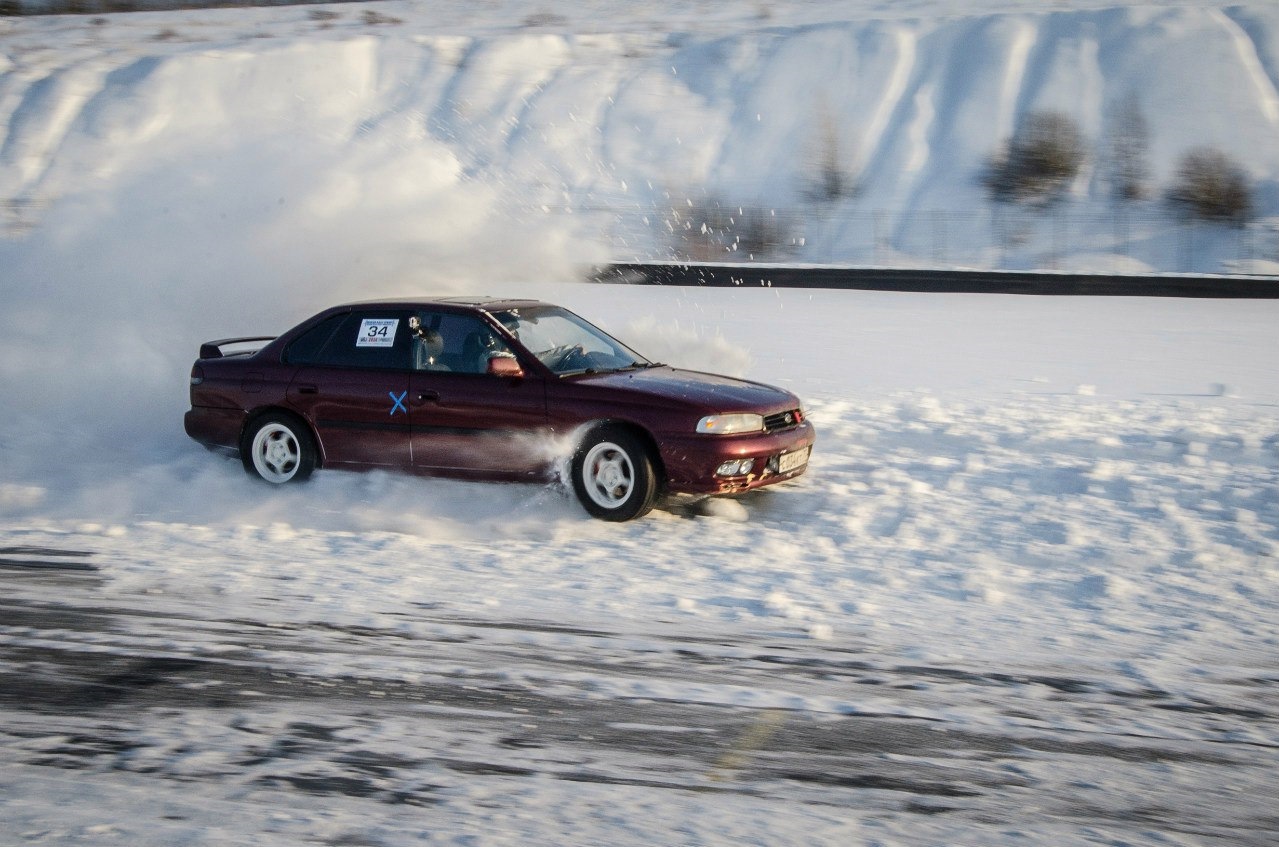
[711, 230]
[1040, 161]
[1210, 185]
[832, 179]
[375, 18]
[1126, 149]
[539, 19]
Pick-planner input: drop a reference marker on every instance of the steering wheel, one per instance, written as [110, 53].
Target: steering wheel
[560, 354]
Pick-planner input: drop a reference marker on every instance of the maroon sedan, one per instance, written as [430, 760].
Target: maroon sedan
[490, 389]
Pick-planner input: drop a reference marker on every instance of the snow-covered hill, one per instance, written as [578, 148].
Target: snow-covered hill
[611, 126]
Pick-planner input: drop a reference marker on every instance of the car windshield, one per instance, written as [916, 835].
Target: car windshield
[567, 344]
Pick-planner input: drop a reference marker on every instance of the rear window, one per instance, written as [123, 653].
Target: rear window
[355, 340]
[305, 349]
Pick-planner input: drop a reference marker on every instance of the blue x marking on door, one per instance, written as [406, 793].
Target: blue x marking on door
[399, 402]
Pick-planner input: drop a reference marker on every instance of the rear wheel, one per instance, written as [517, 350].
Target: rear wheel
[277, 448]
[613, 475]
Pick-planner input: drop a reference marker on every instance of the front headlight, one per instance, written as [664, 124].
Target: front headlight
[729, 424]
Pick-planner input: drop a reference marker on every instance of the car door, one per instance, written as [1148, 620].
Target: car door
[353, 388]
[464, 420]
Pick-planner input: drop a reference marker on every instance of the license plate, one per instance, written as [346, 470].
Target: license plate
[788, 462]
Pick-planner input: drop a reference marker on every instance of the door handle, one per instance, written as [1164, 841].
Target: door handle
[428, 397]
[308, 389]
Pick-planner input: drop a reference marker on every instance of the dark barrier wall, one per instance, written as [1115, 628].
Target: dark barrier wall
[962, 282]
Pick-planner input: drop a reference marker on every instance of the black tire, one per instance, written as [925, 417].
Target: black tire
[278, 448]
[613, 475]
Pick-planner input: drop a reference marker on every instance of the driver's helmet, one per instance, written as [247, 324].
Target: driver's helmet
[509, 322]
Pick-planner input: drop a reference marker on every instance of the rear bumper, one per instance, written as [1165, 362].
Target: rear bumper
[218, 428]
[690, 461]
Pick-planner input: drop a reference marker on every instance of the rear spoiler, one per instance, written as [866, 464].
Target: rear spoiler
[213, 349]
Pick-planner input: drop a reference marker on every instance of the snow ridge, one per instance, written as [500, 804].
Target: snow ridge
[634, 126]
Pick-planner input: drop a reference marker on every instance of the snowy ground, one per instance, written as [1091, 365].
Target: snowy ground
[1029, 599]
[1027, 593]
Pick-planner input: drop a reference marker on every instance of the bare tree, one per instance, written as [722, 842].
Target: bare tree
[1212, 186]
[833, 179]
[1126, 150]
[709, 229]
[1039, 162]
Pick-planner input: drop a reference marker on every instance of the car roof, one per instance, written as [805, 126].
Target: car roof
[488, 304]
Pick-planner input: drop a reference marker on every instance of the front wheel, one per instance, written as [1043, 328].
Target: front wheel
[278, 448]
[613, 475]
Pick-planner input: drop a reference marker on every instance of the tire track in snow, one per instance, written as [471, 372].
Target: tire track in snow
[492, 88]
[48, 111]
[342, 727]
[1024, 38]
[977, 78]
[1246, 48]
[891, 101]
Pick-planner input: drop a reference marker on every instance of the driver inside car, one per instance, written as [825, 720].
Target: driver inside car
[428, 347]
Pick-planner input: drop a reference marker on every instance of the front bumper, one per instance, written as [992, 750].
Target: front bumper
[690, 461]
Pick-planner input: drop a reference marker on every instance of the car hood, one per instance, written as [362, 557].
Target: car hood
[713, 392]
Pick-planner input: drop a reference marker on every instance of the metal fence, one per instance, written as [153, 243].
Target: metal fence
[1123, 238]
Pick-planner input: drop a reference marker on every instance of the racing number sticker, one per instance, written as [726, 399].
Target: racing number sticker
[377, 332]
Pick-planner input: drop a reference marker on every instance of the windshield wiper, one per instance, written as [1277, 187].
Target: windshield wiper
[633, 366]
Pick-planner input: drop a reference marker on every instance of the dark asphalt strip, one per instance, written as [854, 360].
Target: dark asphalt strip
[937, 281]
[49, 559]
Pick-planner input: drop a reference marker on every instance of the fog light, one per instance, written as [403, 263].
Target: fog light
[735, 467]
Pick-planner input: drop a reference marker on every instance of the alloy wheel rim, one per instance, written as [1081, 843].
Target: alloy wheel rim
[608, 475]
[276, 453]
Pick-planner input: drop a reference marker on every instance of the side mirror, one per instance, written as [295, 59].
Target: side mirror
[506, 366]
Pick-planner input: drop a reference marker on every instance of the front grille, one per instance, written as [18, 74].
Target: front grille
[783, 420]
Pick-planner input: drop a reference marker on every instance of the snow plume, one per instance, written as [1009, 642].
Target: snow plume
[667, 340]
[251, 227]
[198, 489]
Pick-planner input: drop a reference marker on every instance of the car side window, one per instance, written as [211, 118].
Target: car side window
[305, 349]
[368, 340]
[456, 343]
